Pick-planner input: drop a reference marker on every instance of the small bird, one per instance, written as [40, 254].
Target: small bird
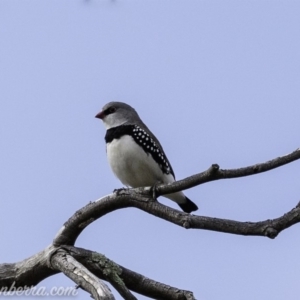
[135, 155]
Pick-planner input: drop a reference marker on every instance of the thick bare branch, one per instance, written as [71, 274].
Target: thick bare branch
[28, 272]
[63, 262]
[129, 198]
[101, 265]
[81, 266]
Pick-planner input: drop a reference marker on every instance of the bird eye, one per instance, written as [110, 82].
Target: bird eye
[111, 110]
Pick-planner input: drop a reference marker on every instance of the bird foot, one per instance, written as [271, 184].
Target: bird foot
[153, 188]
[118, 191]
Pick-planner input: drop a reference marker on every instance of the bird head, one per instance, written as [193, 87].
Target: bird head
[114, 114]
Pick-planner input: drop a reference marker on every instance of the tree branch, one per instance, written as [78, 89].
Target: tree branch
[63, 262]
[128, 198]
[101, 265]
[214, 173]
[142, 198]
[84, 267]
[28, 272]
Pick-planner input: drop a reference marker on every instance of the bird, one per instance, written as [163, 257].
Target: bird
[135, 155]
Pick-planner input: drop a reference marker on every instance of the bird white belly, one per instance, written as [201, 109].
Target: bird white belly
[132, 165]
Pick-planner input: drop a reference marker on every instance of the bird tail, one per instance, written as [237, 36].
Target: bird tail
[188, 206]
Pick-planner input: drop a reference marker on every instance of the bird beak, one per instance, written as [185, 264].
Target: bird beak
[100, 115]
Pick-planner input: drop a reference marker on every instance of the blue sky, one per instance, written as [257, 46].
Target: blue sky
[216, 81]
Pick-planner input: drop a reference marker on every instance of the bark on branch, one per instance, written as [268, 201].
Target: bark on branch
[118, 275]
[85, 268]
[63, 262]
